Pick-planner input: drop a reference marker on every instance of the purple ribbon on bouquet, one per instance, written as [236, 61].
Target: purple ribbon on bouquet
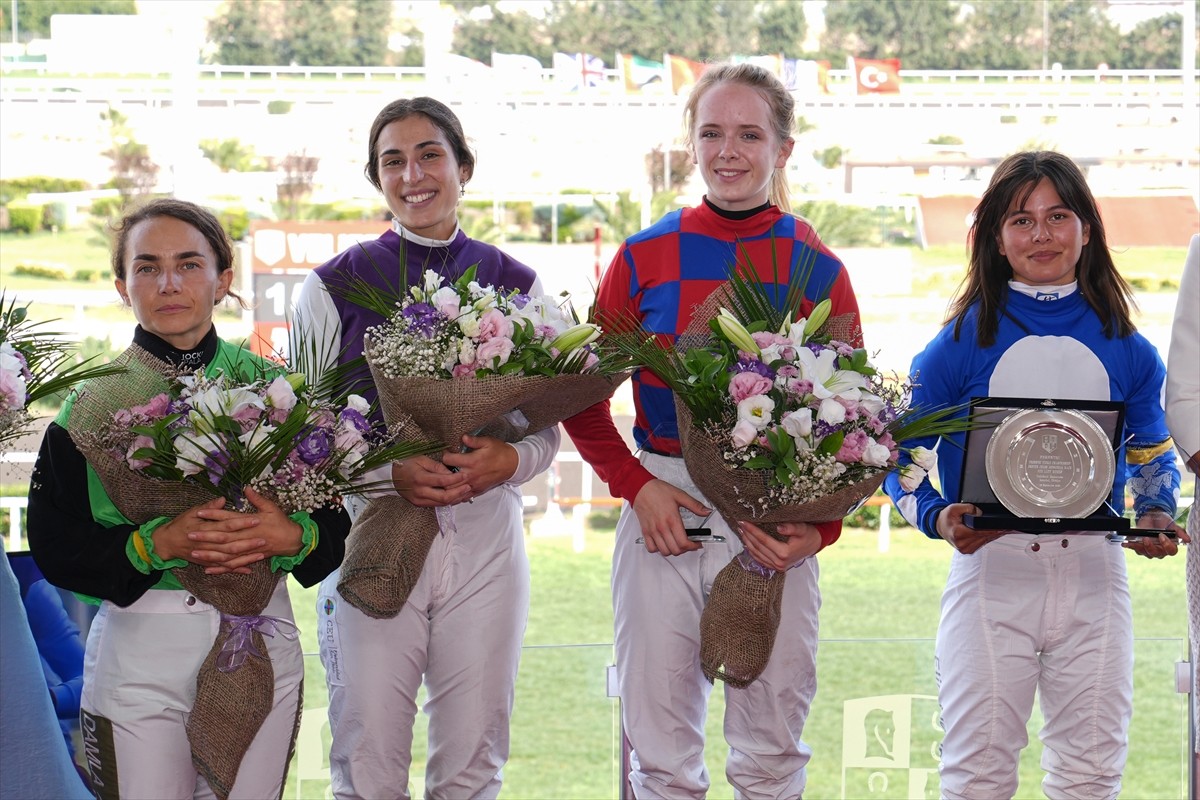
[747, 562]
[240, 642]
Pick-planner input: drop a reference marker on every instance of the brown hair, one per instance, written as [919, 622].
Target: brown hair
[436, 112]
[988, 272]
[199, 218]
[779, 100]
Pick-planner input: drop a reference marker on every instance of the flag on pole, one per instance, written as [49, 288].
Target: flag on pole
[639, 72]
[771, 63]
[800, 75]
[877, 75]
[578, 70]
[684, 72]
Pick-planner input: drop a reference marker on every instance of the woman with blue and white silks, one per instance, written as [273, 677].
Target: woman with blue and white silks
[1043, 313]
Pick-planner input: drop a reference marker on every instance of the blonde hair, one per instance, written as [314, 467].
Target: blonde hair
[779, 100]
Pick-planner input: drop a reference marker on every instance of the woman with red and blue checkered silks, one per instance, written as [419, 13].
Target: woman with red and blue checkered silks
[739, 120]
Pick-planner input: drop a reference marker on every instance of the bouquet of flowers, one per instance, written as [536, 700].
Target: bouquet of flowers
[455, 358]
[34, 364]
[212, 434]
[781, 419]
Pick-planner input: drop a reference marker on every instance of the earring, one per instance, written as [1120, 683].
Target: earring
[462, 189]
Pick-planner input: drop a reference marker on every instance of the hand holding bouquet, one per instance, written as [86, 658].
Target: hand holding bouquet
[455, 358]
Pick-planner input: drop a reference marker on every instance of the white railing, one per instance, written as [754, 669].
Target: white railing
[229, 85]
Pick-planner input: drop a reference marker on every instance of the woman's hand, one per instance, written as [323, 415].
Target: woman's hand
[275, 532]
[963, 539]
[487, 463]
[657, 507]
[427, 483]
[230, 540]
[801, 540]
[1162, 545]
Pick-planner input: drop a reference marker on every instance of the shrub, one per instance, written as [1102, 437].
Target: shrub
[279, 106]
[20, 188]
[830, 157]
[25, 217]
[868, 517]
[40, 271]
[236, 222]
[106, 208]
[89, 275]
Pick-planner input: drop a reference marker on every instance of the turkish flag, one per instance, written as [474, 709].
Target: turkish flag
[877, 75]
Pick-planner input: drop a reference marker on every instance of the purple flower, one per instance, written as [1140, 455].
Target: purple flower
[753, 365]
[314, 447]
[421, 317]
[355, 419]
[519, 300]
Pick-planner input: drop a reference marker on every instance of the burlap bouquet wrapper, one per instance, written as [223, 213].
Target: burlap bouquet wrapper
[740, 619]
[390, 539]
[230, 706]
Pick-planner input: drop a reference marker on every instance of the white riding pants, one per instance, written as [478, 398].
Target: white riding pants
[657, 602]
[1028, 612]
[461, 631]
[140, 668]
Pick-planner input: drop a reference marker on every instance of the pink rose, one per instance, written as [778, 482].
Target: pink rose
[498, 348]
[494, 325]
[747, 384]
[138, 443]
[853, 447]
[460, 370]
[743, 433]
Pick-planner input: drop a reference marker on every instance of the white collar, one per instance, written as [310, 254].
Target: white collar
[1044, 292]
[417, 239]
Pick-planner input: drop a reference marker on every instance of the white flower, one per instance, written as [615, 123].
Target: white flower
[798, 423]
[871, 404]
[468, 323]
[446, 301]
[281, 395]
[736, 333]
[191, 451]
[432, 282]
[925, 458]
[876, 455]
[831, 412]
[910, 477]
[358, 403]
[756, 410]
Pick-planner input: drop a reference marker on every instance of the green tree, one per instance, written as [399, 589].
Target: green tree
[1004, 36]
[517, 32]
[318, 33]
[1154, 44]
[781, 27]
[1080, 35]
[370, 27]
[923, 34]
[33, 16]
[134, 172]
[244, 35]
[231, 155]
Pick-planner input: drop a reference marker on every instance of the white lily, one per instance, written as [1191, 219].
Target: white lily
[736, 333]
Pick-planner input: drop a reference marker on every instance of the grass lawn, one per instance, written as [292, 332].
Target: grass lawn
[874, 665]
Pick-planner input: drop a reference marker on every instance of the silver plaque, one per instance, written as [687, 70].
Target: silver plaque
[1050, 463]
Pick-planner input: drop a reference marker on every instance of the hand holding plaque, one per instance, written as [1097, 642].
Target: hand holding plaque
[1043, 465]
